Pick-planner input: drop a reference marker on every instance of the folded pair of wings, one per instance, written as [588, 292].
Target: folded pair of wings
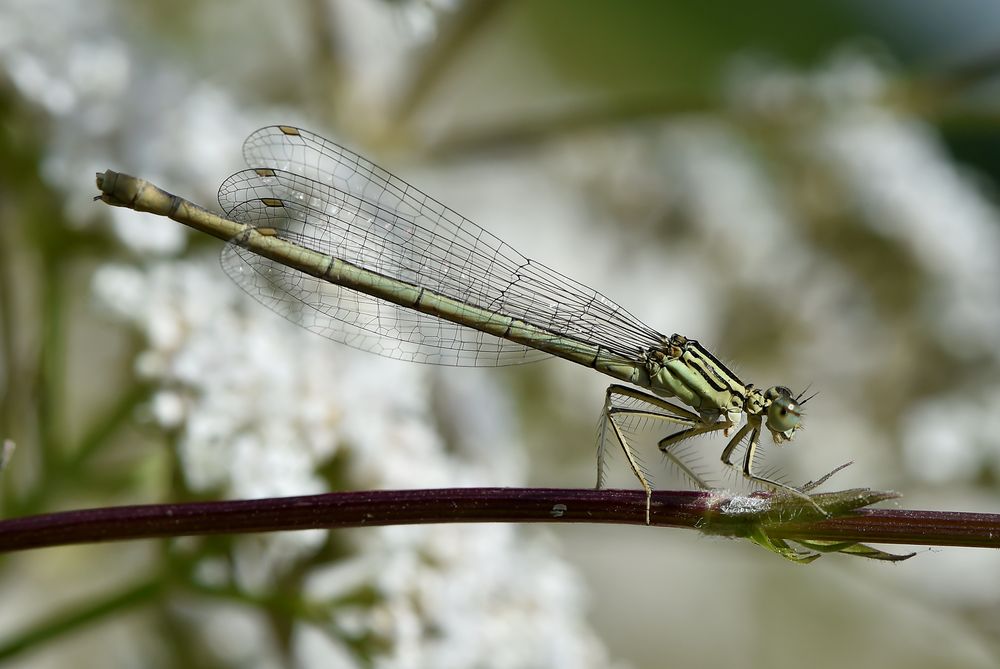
[338, 203]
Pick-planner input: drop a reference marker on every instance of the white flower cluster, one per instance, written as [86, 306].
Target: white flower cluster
[260, 405]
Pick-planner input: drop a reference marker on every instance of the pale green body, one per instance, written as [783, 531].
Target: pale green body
[681, 369]
[677, 368]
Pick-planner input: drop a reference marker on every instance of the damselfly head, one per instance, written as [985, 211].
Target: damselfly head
[784, 413]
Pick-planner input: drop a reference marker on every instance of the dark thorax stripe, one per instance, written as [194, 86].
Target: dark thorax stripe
[712, 370]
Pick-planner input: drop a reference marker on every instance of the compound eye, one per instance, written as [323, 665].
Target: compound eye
[783, 414]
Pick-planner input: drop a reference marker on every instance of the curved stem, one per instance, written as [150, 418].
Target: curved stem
[780, 517]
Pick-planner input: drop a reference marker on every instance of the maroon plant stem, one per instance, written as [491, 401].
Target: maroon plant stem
[902, 526]
[463, 505]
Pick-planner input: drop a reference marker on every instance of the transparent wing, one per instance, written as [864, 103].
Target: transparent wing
[342, 205]
[351, 317]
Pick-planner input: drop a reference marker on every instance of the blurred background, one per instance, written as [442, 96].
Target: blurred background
[806, 188]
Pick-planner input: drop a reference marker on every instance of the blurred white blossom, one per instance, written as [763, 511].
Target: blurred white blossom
[260, 405]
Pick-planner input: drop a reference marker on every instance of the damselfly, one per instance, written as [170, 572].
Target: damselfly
[333, 242]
